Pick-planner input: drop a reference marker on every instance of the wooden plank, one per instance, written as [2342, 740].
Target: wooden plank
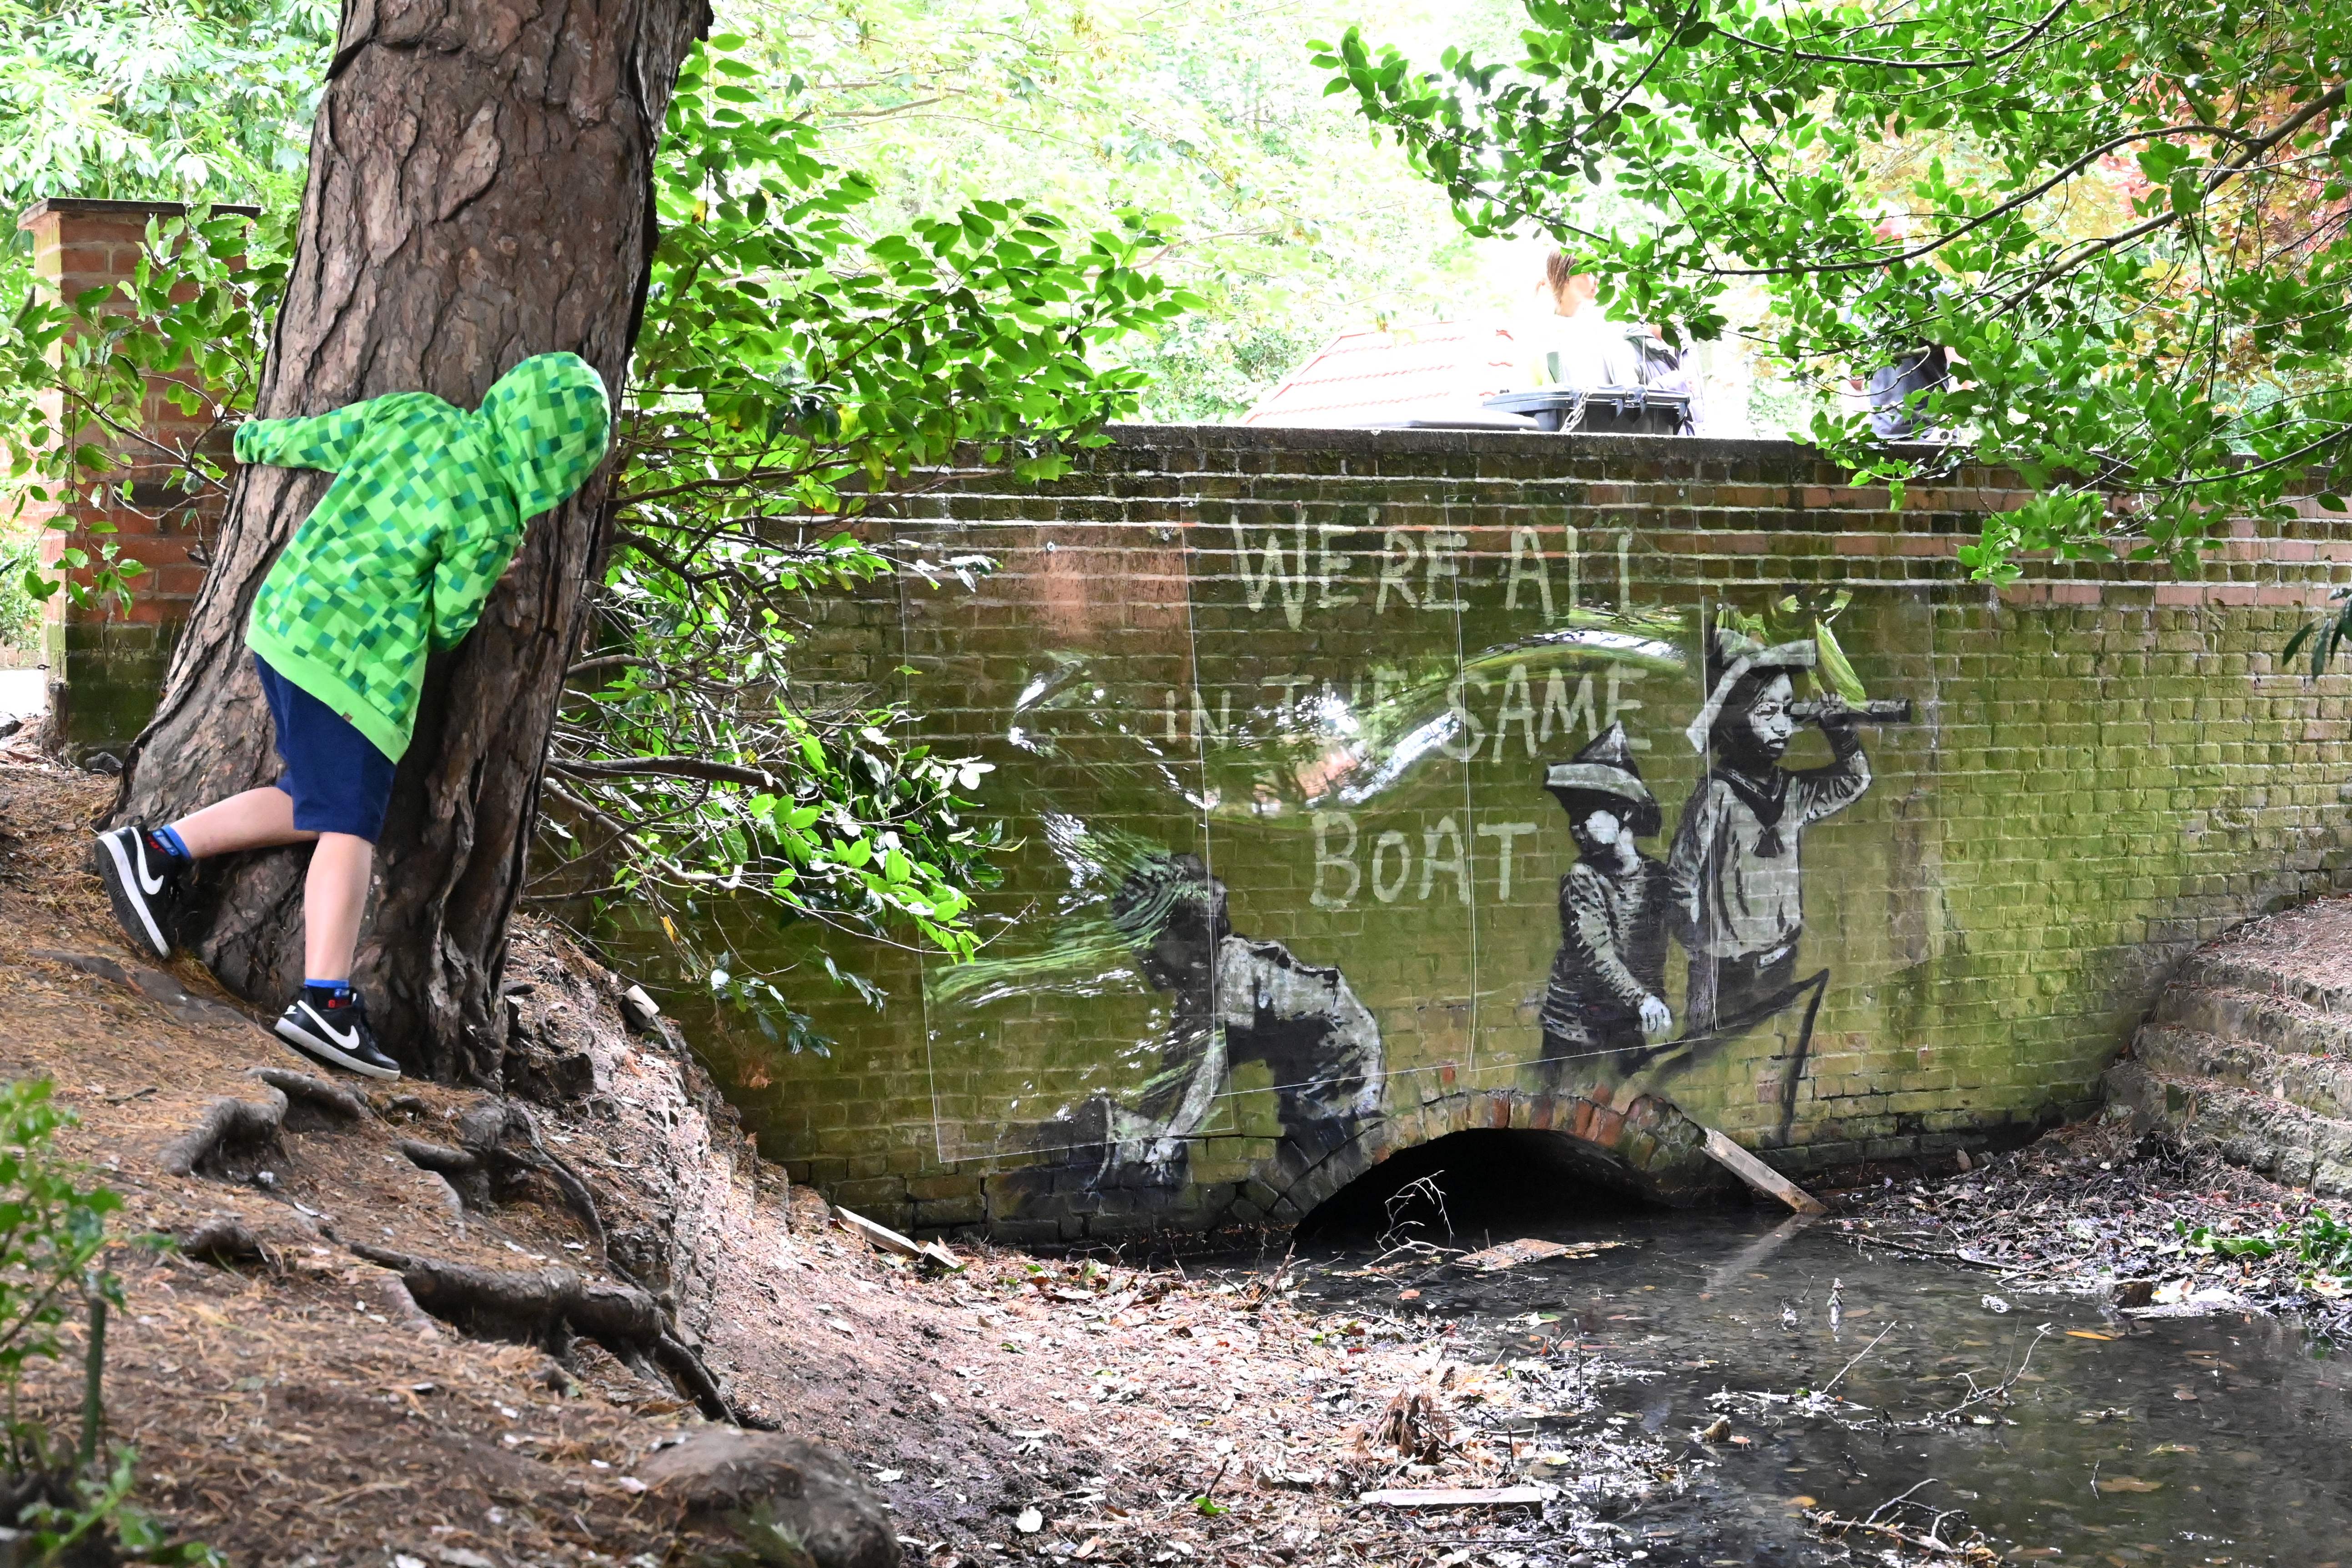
[1760, 1175]
[1457, 1497]
[889, 1240]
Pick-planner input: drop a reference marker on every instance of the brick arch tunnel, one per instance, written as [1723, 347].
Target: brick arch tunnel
[1646, 1150]
[1355, 694]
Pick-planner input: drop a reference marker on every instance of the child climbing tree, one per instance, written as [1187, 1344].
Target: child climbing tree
[778, 364]
[479, 190]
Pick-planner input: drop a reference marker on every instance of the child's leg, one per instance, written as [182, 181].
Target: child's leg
[333, 899]
[258, 819]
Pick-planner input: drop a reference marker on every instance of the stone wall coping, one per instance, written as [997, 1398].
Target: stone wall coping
[93, 207]
[1395, 440]
[1667, 456]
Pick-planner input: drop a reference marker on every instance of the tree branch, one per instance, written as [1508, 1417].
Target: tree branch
[669, 767]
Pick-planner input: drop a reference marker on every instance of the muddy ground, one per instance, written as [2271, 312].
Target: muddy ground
[298, 1408]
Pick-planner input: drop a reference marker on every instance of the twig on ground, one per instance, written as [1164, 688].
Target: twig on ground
[1857, 1360]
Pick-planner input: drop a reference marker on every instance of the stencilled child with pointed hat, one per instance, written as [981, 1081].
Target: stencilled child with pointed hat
[1737, 889]
[1607, 992]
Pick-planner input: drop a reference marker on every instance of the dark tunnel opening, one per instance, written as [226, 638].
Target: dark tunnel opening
[1474, 1182]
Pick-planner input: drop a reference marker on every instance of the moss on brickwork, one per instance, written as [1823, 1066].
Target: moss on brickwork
[1335, 666]
[105, 677]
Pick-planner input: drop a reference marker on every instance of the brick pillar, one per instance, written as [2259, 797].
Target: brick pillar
[105, 663]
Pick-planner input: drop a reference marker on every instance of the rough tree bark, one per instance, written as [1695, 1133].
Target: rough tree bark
[480, 191]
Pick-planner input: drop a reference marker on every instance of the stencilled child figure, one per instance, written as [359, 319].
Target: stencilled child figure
[1235, 999]
[1608, 987]
[1737, 887]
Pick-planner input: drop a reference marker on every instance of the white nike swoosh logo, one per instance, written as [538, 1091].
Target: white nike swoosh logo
[151, 885]
[346, 1038]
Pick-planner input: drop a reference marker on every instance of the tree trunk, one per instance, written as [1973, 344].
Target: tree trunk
[480, 191]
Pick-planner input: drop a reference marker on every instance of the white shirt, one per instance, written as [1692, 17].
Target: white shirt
[1583, 351]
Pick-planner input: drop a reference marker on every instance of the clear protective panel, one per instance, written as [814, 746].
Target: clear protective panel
[1065, 670]
[1328, 642]
[1573, 678]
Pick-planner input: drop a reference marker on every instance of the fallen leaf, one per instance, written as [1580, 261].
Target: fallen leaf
[2128, 1484]
[1804, 1502]
[2086, 1335]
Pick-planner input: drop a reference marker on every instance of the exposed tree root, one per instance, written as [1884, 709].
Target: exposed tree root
[332, 1103]
[487, 1131]
[548, 1307]
[500, 1145]
[440, 1157]
[232, 1133]
[224, 1240]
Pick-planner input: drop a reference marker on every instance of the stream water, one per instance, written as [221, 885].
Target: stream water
[2208, 1441]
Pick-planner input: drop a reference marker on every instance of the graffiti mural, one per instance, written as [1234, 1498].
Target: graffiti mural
[1608, 987]
[1237, 1000]
[1738, 883]
[1731, 891]
[1395, 813]
[1353, 792]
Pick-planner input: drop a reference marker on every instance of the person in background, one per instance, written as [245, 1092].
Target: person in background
[1665, 368]
[1574, 344]
[1890, 386]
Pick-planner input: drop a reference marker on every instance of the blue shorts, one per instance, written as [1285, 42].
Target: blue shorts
[339, 781]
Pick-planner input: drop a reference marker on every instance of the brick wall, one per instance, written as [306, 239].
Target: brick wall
[105, 662]
[1335, 666]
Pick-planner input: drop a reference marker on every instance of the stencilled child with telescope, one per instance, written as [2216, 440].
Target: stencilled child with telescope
[1733, 894]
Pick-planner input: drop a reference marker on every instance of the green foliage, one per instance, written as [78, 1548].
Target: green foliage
[1278, 213]
[2324, 1244]
[20, 611]
[2125, 222]
[52, 1232]
[794, 366]
[75, 374]
[2319, 1241]
[194, 100]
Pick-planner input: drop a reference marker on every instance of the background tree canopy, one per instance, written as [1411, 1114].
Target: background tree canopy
[169, 100]
[1280, 213]
[2126, 221]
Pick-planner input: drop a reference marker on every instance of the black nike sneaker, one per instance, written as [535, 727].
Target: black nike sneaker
[145, 885]
[335, 1033]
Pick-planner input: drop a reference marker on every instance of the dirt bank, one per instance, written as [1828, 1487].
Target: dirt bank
[297, 1406]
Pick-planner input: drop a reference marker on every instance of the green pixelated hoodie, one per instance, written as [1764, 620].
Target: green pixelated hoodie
[428, 508]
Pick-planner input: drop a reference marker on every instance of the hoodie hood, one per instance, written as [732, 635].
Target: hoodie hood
[546, 423]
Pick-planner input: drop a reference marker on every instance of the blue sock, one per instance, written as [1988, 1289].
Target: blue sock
[328, 992]
[167, 839]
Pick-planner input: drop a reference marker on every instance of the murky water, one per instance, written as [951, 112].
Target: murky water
[2203, 1441]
